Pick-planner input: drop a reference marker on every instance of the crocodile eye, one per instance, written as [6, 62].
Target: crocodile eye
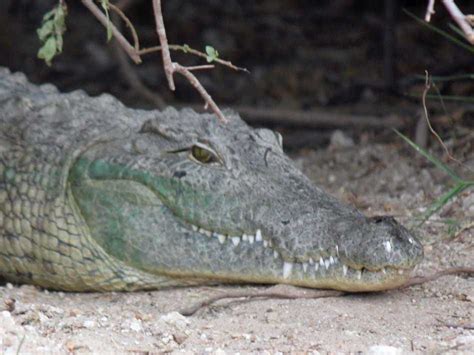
[203, 155]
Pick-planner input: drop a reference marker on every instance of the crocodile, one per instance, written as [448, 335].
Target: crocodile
[95, 196]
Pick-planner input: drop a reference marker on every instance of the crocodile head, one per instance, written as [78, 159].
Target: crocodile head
[187, 197]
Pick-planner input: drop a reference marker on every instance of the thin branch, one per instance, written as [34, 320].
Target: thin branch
[291, 292]
[286, 292]
[430, 10]
[201, 67]
[116, 33]
[171, 67]
[198, 86]
[136, 42]
[418, 280]
[460, 19]
[165, 52]
[428, 84]
[187, 49]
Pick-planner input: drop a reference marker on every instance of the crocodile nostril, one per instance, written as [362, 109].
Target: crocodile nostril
[285, 222]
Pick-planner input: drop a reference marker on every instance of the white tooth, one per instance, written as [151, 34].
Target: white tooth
[337, 250]
[327, 263]
[235, 240]
[316, 267]
[410, 240]
[200, 230]
[383, 270]
[335, 260]
[359, 274]
[388, 246]
[245, 237]
[251, 239]
[305, 267]
[194, 228]
[258, 235]
[400, 271]
[321, 261]
[331, 260]
[265, 243]
[287, 268]
[275, 254]
[208, 233]
[344, 270]
[221, 238]
[270, 244]
[311, 261]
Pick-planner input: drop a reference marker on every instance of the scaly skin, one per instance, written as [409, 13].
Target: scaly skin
[95, 196]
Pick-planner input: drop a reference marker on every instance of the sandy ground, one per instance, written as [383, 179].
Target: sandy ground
[436, 317]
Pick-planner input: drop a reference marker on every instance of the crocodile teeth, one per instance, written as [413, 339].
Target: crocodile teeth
[400, 271]
[337, 250]
[275, 254]
[383, 270]
[344, 270]
[265, 243]
[305, 267]
[221, 238]
[388, 246]
[359, 274]
[331, 260]
[327, 263]
[245, 237]
[205, 232]
[311, 261]
[287, 268]
[251, 239]
[321, 261]
[316, 267]
[258, 235]
[235, 240]
[194, 228]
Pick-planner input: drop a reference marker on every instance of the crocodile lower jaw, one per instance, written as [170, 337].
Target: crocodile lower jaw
[325, 272]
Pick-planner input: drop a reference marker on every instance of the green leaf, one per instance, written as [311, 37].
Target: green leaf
[48, 50]
[212, 54]
[51, 33]
[49, 15]
[46, 29]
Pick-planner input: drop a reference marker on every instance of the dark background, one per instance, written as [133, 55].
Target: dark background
[347, 58]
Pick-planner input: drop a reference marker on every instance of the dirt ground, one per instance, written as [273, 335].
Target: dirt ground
[436, 317]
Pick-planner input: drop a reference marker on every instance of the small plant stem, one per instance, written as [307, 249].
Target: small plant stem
[165, 52]
[116, 33]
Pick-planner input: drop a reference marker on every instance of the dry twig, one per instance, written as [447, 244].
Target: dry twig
[169, 67]
[172, 67]
[186, 49]
[428, 84]
[462, 20]
[418, 280]
[277, 292]
[127, 47]
[291, 292]
[430, 10]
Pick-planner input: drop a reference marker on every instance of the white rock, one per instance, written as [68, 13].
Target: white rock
[136, 325]
[175, 318]
[88, 324]
[384, 350]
